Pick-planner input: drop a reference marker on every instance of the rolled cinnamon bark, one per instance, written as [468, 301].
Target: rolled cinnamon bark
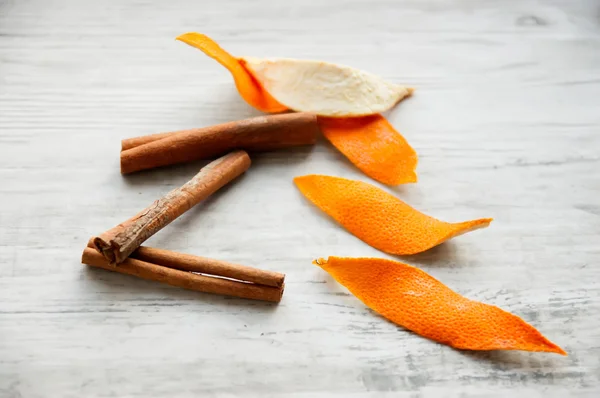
[188, 262]
[183, 279]
[263, 133]
[119, 242]
[203, 265]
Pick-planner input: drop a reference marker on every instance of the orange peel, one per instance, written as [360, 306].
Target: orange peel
[418, 302]
[379, 218]
[373, 145]
[247, 85]
[324, 88]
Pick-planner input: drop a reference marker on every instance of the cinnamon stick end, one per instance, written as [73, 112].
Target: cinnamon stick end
[105, 248]
[83, 256]
[90, 257]
[281, 292]
[279, 282]
[124, 164]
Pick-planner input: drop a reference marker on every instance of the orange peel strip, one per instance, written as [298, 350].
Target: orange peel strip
[248, 87]
[418, 302]
[374, 146]
[379, 218]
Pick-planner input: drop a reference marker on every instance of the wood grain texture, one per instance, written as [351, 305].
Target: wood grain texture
[507, 125]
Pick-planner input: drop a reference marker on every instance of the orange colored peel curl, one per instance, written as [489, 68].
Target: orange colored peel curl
[371, 142]
[415, 300]
[248, 87]
[374, 146]
[378, 218]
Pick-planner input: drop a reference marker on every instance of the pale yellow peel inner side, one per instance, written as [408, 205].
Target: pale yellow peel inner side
[324, 88]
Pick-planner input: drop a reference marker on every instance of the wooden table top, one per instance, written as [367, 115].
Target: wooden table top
[506, 122]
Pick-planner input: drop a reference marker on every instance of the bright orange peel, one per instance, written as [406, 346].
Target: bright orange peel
[418, 302]
[374, 146]
[247, 85]
[379, 218]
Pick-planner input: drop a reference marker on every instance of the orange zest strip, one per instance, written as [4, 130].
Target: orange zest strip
[374, 146]
[415, 300]
[248, 87]
[378, 218]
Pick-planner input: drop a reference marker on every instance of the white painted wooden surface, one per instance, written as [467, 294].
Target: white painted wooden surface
[506, 121]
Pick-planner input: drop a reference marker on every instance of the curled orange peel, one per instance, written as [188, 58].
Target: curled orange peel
[370, 142]
[247, 85]
[325, 88]
[374, 146]
[379, 218]
[418, 302]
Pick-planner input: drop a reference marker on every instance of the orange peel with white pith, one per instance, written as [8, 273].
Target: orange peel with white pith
[276, 85]
[325, 88]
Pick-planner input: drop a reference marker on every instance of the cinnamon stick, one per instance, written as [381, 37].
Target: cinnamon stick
[191, 263]
[119, 242]
[263, 133]
[183, 279]
[188, 262]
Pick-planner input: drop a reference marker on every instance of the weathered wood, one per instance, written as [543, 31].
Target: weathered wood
[506, 123]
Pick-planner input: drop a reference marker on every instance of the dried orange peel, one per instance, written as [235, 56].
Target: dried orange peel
[374, 146]
[324, 88]
[415, 300]
[247, 85]
[370, 142]
[379, 218]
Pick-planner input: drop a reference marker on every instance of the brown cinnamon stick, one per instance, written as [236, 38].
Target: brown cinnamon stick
[119, 242]
[183, 279]
[188, 262]
[263, 133]
[191, 263]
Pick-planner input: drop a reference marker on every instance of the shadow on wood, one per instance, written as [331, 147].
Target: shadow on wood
[447, 254]
[512, 360]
